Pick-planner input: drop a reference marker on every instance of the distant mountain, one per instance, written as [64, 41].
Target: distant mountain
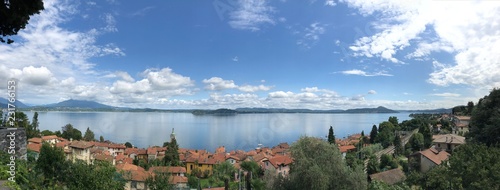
[284, 110]
[78, 104]
[440, 110]
[218, 112]
[18, 104]
[379, 109]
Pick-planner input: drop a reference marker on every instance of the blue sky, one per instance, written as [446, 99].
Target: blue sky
[254, 53]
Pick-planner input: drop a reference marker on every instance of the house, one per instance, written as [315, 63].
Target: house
[205, 165]
[152, 153]
[35, 140]
[116, 149]
[177, 175]
[447, 142]
[345, 149]
[65, 146]
[280, 163]
[121, 159]
[135, 176]
[461, 125]
[104, 158]
[34, 150]
[429, 158]
[389, 177]
[81, 150]
[51, 139]
[220, 149]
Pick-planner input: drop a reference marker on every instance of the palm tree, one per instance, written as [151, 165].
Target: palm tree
[224, 172]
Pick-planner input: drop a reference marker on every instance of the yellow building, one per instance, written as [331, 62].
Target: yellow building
[204, 165]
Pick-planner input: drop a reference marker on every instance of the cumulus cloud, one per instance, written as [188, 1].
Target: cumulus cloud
[468, 30]
[165, 79]
[372, 92]
[251, 15]
[217, 83]
[250, 88]
[446, 94]
[34, 75]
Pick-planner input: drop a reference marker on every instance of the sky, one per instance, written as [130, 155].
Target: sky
[209, 54]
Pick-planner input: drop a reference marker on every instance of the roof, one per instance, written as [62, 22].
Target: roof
[34, 147]
[434, 155]
[280, 160]
[50, 137]
[62, 144]
[152, 150]
[178, 179]
[346, 148]
[390, 176]
[81, 144]
[259, 157]
[463, 118]
[448, 139]
[172, 169]
[35, 140]
[103, 157]
[135, 175]
[128, 167]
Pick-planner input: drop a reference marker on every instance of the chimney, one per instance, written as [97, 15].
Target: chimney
[70, 139]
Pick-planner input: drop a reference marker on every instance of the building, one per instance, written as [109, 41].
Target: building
[389, 177]
[51, 139]
[447, 142]
[429, 158]
[460, 125]
[81, 150]
[281, 164]
[135, 176]
[205, 165]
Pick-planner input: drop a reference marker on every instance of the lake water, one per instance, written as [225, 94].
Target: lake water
[242, 131]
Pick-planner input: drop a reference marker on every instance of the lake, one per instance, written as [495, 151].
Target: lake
[242, 131]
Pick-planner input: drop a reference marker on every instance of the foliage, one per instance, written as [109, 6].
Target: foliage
[89, 135]
[319, 165]
[394, 121]
[366, 152]
[193, 181]
[385, 134]
[171, 154]
[32, 130]
[14, 16]
[373, 165]
[417, 142]
[225, 172]
[69, 132]
[47, 132]
[159, 181]
[387, 162]
[398, 145]
[352, 160]
[331, 136]
[427, 135]
[101, 139]
[51, 163]
[128, 144]
[485, 120]
[373, 134]
[100, 175]
[379, 185]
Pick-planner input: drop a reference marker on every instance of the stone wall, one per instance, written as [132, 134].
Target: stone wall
[15, 137]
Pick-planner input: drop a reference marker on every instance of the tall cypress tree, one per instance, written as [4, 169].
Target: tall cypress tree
[331, 136]
[373, 134]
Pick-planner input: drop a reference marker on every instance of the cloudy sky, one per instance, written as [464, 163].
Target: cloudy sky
[252, 53]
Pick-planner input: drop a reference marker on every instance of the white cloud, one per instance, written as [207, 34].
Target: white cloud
[35, 75]
[330, 3]
[217, 83]
[446, 94]
[165, 79]
[235, 59]
[363, 73]
[372, 92]
[250, 88]
[251, 14]
[124, 76]
[143, 11]
[468, 30]
[311, 35]
[110, 21]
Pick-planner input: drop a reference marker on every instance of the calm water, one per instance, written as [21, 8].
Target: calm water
[243, 131]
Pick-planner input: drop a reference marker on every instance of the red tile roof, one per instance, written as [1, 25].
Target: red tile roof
[346, 148]
[178, 179]
[81, 144]
[103, 157]
[35, 140]
[172, 169]
[34, 147]
[434, 155]
[50, 137]
[280, 160]
[62, 144]
[129, 167]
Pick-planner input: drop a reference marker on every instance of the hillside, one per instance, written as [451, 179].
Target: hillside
[18, 104]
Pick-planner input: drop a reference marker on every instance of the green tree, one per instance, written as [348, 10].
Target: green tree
[255, 172]
[373, 134]
[51, 163]
[89, 135]
[394, 121]
[101, 139]
[47, 132]
[14, 16]
[319, 165]
[427, 134]
[225, 172]
[485, 120]
[32, 130]
[69, 132]
[159, 181]
[373, 165]
[387, 162]
[100, 175]
[172, 154]
[398, 145]
[470, 107]
[331, 136]
[128, 145]
[385, 134]
[417, 142]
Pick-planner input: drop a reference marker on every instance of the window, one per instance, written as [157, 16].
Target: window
[199, 165]
[133, 184]
[191, 167]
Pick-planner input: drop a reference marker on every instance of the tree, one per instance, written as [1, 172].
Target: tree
[128, 145]
[319, 165]
[417, 142]
[69, 132]
[100, 175]
[225, 172]
[427, 134]
[373, 165]
[172, 154]
[331, 136]
[253, 175]
[89, 135]
[101, 139]
[470, 107]
[385, 134]
[159, 180]
[394, 121]
[47, 132]
[485, 120]
[398, 145]
[373, 134]
[15, 14]
[387, 162]
[32, 130]
[51, 163]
